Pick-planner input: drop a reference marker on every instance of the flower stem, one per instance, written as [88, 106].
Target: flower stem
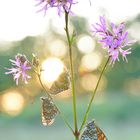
[47, 91]
[72, 75]
[93, 95]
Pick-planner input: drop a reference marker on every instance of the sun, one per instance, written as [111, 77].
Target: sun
[52, 68]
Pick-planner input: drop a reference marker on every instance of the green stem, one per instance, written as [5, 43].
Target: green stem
[47, 91]
[93, 95]
[72, 75]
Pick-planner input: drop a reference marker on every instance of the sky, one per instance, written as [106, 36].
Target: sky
[19, 18]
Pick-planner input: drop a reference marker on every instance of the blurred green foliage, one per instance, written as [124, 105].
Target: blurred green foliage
[118, 113]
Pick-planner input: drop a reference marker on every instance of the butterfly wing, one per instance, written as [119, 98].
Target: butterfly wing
[61, 84]
[93, 132]
[90, 132]
[49, 111]
[100, 133]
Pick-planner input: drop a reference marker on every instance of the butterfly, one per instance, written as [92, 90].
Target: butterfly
[49, 111]
[93, 132]
[61, 84]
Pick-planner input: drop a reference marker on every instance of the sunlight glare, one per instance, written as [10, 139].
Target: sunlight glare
[52, 68]
[22, 23]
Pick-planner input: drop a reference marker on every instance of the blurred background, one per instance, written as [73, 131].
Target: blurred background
[116, 107]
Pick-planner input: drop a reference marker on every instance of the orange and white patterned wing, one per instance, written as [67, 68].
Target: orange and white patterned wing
[100, 134]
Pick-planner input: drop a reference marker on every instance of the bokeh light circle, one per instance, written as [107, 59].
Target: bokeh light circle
[86, 44]
[12, 102]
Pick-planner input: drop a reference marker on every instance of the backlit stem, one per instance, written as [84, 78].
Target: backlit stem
[47, 91]
[93, 95]
[72, 75]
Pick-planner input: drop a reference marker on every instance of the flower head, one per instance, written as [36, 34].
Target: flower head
[19, 69]
[113, 38]
[59, 4]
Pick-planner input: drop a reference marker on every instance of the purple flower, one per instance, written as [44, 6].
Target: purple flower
[20, 66]
[59, 4]
[114, 39]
